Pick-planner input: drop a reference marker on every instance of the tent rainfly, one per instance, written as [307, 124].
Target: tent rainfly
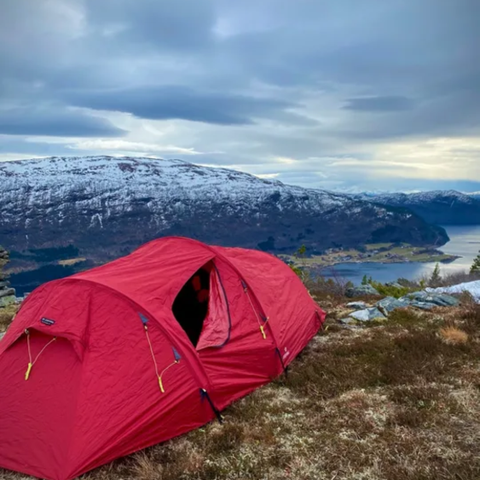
[152, 345]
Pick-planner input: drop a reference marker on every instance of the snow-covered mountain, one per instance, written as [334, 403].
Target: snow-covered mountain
[106, 206]
[475, 195]
[441, 207]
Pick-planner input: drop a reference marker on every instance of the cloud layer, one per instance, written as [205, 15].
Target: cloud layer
[369, 96]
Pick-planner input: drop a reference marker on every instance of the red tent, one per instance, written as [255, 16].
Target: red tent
[137, 351]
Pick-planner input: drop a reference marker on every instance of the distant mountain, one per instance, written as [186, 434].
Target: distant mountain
[107, 206]
[438, 207]
[475, 195]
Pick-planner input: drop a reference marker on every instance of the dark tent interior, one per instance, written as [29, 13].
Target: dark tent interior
[191, 304]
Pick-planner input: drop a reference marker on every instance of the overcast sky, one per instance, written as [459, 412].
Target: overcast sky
[346, 95]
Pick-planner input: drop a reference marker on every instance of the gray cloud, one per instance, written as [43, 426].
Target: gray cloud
[159, 24]
[379, 104]
[304, 79]
[54, 121]
[174, 102]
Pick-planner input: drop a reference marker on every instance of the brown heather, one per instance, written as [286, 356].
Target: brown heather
[397, 401]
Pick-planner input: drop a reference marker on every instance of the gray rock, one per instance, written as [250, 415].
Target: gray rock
[388, 304]
[423, 305]
[5, 301]
[6, 292]
[4, 284]
[444, 300]
[367, 315]
[357, 305]
[348, 321]
[360, 290]
[2, 334]
[437, 299]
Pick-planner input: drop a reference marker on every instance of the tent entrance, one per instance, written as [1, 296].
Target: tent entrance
[191, 304]
[201, 309]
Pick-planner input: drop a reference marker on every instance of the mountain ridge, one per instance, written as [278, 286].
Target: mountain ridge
[441, 207]
[113, 204]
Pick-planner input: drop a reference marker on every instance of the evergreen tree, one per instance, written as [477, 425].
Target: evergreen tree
[302, 271]
[476, 265]
[436, 277]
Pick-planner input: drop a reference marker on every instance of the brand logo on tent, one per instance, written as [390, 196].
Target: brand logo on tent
[286, 353]
[47, 321]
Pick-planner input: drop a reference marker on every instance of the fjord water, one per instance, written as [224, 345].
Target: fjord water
[464, 242]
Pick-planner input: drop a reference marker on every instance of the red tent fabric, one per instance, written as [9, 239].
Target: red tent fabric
[114, 371]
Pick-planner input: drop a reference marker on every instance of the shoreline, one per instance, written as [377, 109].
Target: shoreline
[384, 254]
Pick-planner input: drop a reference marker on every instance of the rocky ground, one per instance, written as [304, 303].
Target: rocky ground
[396, 399]
[7, 294]
[8, 301]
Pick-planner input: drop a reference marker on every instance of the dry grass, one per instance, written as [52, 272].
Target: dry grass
[453, 335]
[393, 402]
[470, 314]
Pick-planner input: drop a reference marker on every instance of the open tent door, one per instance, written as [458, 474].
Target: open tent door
[217, 324]
[201, 309]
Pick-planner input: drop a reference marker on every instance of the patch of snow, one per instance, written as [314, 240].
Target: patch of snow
[471, 287]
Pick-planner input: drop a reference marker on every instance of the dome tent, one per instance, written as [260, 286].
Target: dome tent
[97, 366]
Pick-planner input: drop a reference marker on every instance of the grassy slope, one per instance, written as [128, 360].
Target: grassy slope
[395, 401]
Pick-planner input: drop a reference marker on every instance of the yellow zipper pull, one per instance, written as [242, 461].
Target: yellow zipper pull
[263, 332]
[27, 373]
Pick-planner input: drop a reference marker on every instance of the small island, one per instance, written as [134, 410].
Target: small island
[374, 252]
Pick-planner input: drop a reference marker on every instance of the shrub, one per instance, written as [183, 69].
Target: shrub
[390, 290]
[6, 316]
[470, 314]
[321, 287]
[404, 317]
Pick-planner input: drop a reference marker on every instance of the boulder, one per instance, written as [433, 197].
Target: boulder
[6, 292]
[357, 305]
[2, 334]
[368, 315]
[444, 300]
[388, 304]
[9, 300]
[360, 291]
[437, 299]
